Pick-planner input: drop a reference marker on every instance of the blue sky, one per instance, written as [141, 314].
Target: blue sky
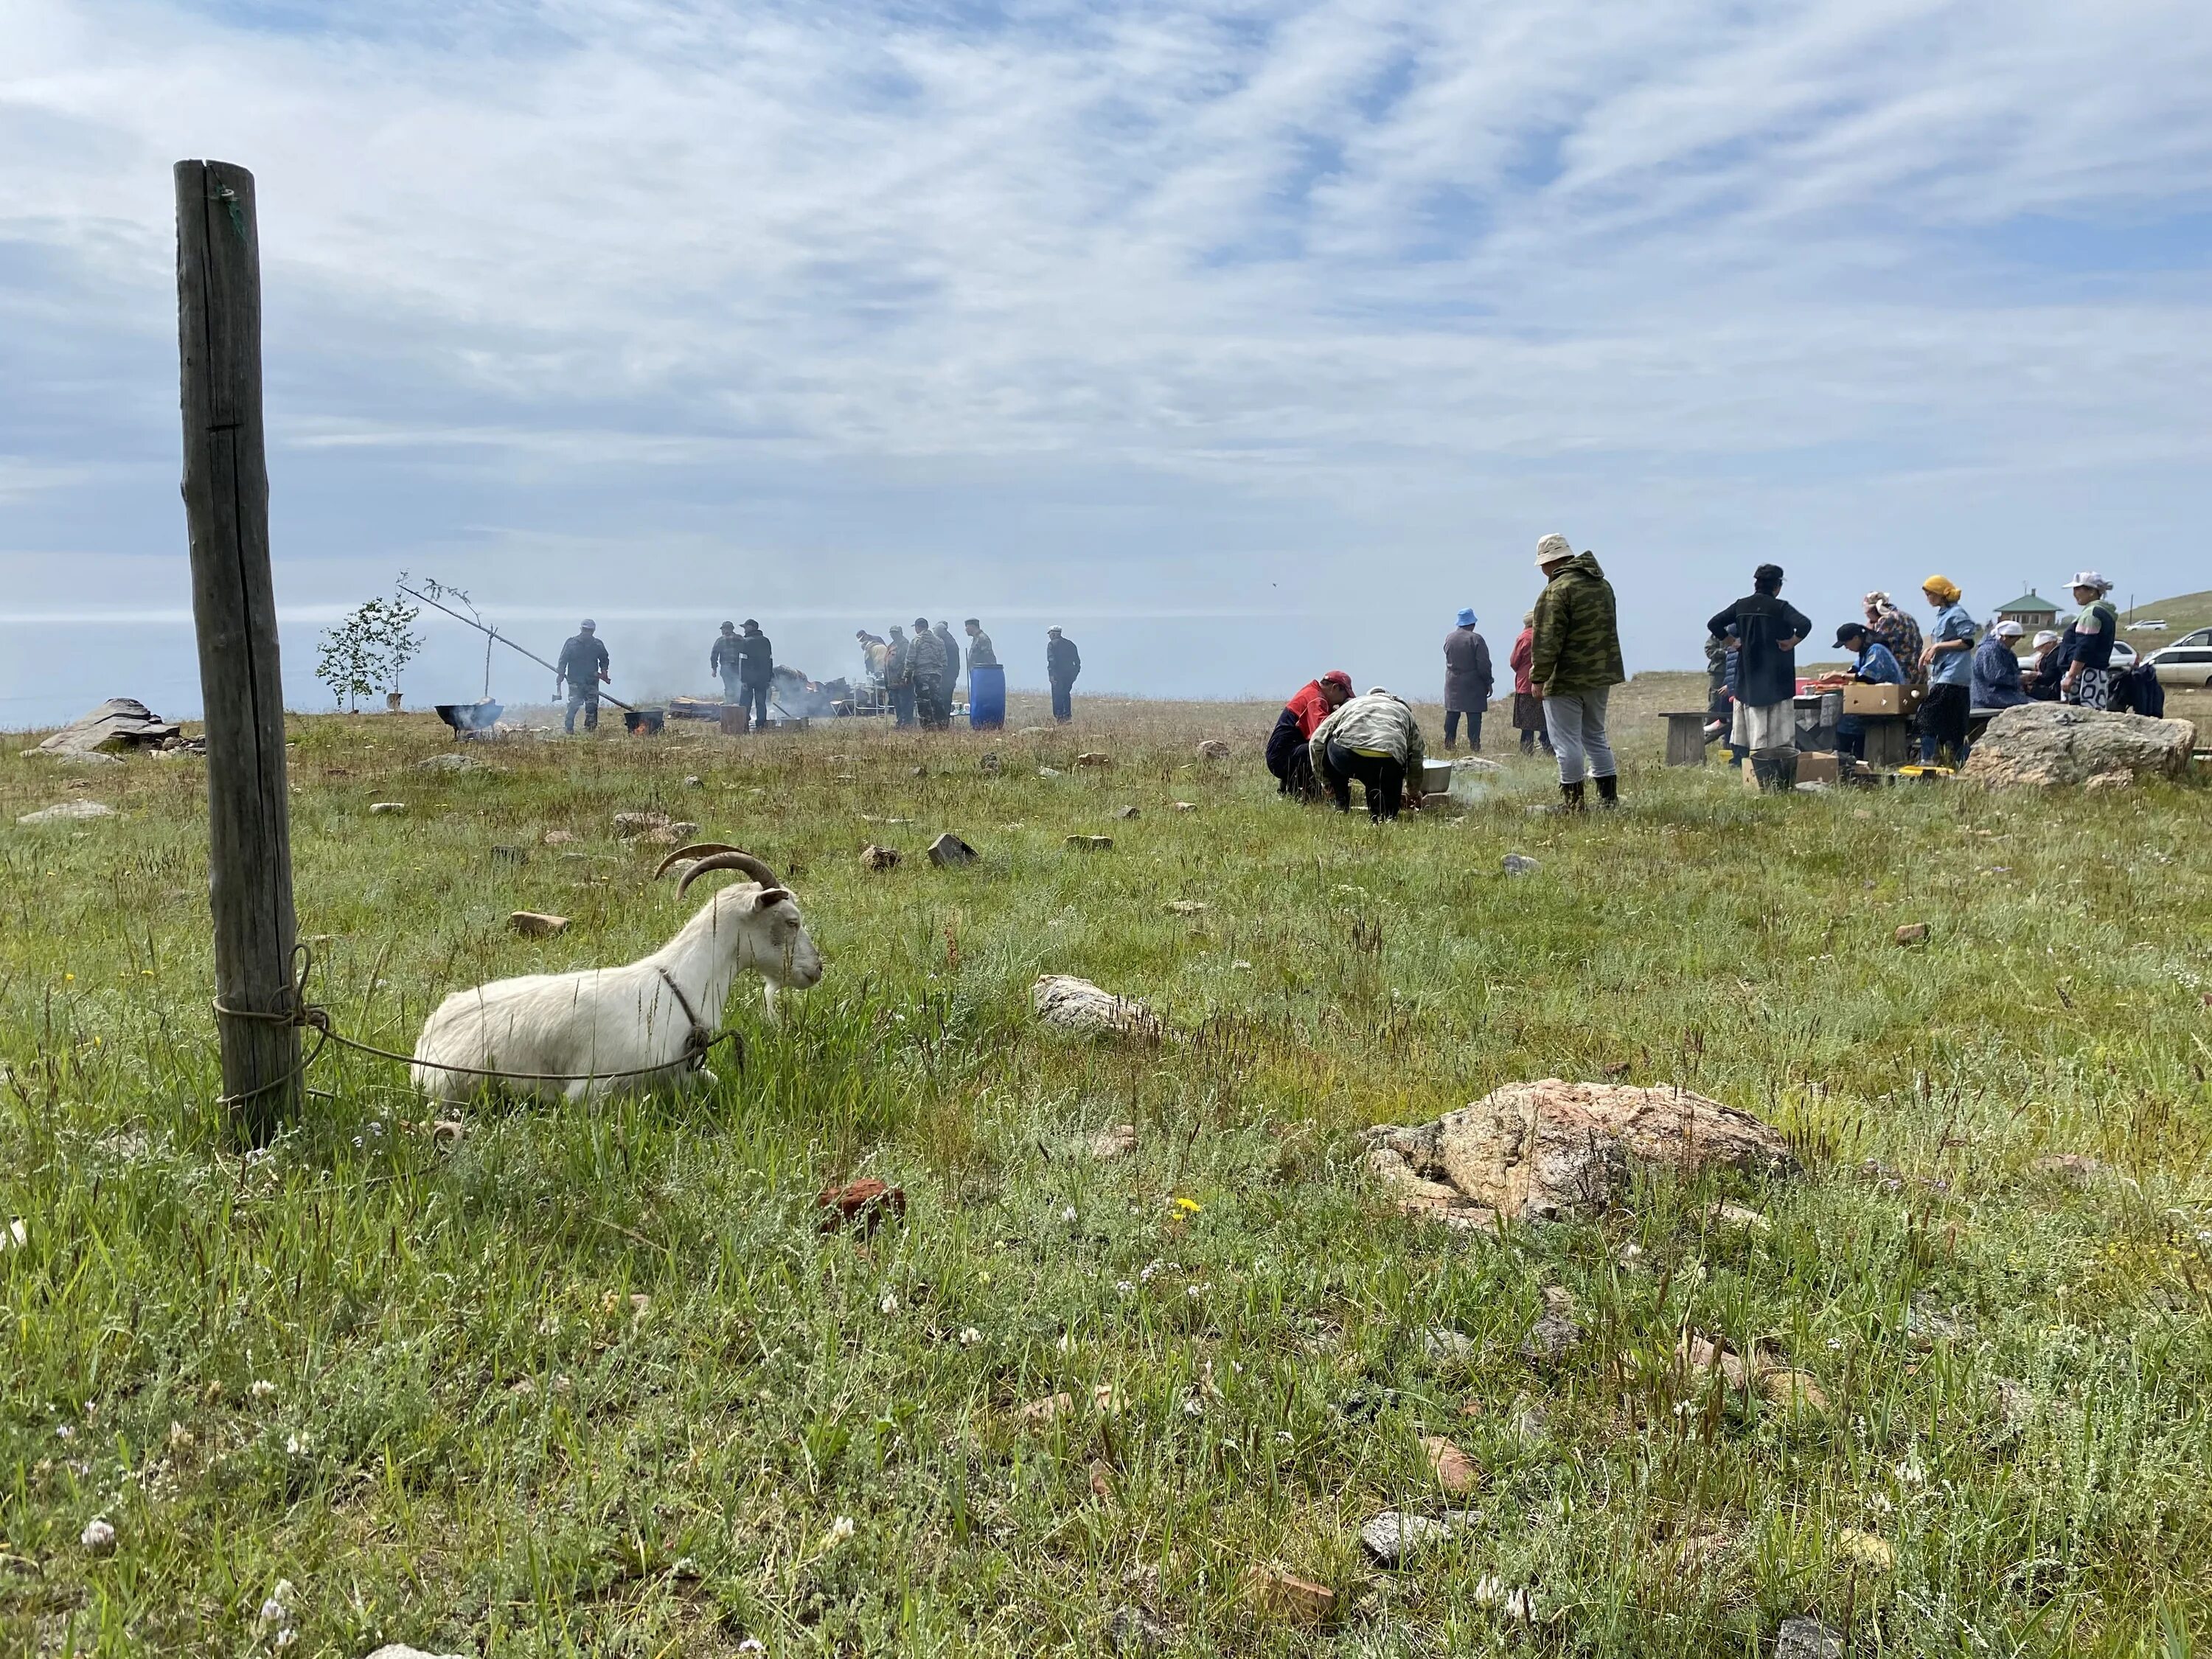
[1287, 327]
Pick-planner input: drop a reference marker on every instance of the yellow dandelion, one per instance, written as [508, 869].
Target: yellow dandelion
[1189, 1206]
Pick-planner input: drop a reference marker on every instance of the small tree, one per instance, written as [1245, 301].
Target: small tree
[365, 651]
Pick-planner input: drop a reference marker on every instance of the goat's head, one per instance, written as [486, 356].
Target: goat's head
[761, 914]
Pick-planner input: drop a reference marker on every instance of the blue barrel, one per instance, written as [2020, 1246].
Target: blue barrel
[987, 698]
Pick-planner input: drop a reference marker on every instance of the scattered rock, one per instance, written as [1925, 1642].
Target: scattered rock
[1442, 1345]
[1186, 907]
[537, 924]
[2045, 743]
[1803, 1638]
[1213, 750]
[448, 1132]
[2077, 1170]
[1555, 1335]
[1427, 1199]
[1912, 932]
[1119, 1141]
[1519, 864]
[1034, 731]
[1047, 771]
[1095, 760]
[69, 811]
[1091, 843]
[118, 723]
[1720, 1214]
[1393, 1537]
[1550, 1149]
[387, 808]
[401, 1650]
[451, 762]
[919, 772]
[990, 762]
[1792, 1390]
[1864, 1549]
[1077, 1004]
[1283, 1595]
[1127, 813]
[1039, 1413]
[629, 826]
[949, 851]
[1133, 1630]
[1183, 805]
[1477, 764]
[861, 1204]
[1456, 1472]
[2112, 781]
[873, 857]
[2013, 1405]
[558, 837]
[695, 781]
[1694, 1352]
[509, 855]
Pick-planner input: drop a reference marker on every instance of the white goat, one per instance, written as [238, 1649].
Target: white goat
[583, 1035]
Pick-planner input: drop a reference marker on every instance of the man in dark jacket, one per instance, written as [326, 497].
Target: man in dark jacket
[1468, 683]
[583, 664]
[756, 673]
[1574, 663]
[722, 661]
[927, 667]
[1062, 663]
[1765, 721]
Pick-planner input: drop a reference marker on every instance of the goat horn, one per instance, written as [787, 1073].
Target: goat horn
[732, 859]
[697, 849]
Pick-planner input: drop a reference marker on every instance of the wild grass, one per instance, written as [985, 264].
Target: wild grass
[590, 1381]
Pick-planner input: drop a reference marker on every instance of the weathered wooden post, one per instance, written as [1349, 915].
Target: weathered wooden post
[226, 489]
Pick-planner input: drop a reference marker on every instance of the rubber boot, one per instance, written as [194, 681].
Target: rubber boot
[1571, 797]
[1608, 791]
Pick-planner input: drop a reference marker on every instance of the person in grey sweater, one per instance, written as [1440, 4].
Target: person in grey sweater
[1468, 680]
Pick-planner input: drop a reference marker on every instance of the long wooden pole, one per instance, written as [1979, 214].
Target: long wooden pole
[226, 489]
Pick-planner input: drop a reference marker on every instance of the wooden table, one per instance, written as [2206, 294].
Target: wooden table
[1686, 737]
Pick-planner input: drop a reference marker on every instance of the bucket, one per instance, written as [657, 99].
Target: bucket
[987, 698]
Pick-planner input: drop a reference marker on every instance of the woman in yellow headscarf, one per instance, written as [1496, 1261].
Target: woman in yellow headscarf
[1948, 657]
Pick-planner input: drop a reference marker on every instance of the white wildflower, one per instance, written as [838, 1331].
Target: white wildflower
[1489, 1590]
[1193, 1407]
[1521, 1606]
[969, 1336]
[295, 1445]
[1125, 1287]
[66, 1430]
[1068, 1215]
[752, 1645]
[99, 1533]
[1911, 1471]
[888, 1305]
[17, 1234]
[840, 1530]
[286, 1636]
[262, 1388]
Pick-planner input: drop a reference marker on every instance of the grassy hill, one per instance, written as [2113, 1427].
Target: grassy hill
[2181, 613]
[577, 1381]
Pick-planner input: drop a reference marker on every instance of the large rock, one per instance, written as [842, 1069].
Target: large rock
[1077, 1004]
[118, 723]
[69, 811]
[1543, 1151]
[2051, 743]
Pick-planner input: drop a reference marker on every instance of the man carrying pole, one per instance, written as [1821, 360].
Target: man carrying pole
[583, 665]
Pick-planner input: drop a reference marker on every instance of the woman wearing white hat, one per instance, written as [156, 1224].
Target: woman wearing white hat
[2085, 651]
[2040, 676]
[1996, 671]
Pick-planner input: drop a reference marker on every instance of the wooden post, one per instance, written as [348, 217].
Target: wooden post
[1686, 737]
[226, 489]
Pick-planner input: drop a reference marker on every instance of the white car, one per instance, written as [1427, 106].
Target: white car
[2187, 661]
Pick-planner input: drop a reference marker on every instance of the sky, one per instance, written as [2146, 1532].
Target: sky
[1242, 339]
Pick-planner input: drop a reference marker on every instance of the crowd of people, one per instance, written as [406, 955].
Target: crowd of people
[1952, 678]
[918, 673]
[1565, 662]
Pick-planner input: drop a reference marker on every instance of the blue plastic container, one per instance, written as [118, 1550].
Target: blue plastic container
[987, 698]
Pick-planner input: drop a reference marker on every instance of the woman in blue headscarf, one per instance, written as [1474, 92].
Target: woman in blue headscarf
[1467, 682]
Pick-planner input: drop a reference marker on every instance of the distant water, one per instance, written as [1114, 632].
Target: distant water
[54, 670]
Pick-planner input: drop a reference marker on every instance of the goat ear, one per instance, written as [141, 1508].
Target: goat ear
[768, 895]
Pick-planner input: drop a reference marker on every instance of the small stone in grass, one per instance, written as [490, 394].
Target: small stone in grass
[1118, 1141]
[1213, 750]
[1192, 806]
[1127, 813]
[1286, 1596]
[552, 837]
[1186, 907]
[1440, 1344]
[1091, 843]
[1519, 864]
[2075, 1169]
[1456, 1472]
[948, 850]
[1555, 1333]
[1801, 1638]
[1863, 1549]
[379, 809]
[862, 1204]
[1133, 1630]
[1391, 1537]
[537, 924]
[1912, 932]
[1049, 1409]
[401, 1650]
[1095, 761]
[509, 855]
[873, 857]
[1721, 1214]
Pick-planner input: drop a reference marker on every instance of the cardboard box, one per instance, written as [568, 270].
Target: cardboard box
[1874, 700]
[1813, 768]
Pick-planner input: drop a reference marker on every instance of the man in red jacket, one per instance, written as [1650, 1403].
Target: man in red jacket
[1286, 745]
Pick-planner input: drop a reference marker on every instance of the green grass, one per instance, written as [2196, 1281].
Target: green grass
[591, 1382]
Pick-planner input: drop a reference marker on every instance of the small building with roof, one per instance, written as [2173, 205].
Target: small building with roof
[2031, 611]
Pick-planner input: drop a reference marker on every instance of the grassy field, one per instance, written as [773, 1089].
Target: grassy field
[592, 1381]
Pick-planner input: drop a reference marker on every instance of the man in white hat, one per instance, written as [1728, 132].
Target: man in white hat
[2084, 653]
[1574, 663]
